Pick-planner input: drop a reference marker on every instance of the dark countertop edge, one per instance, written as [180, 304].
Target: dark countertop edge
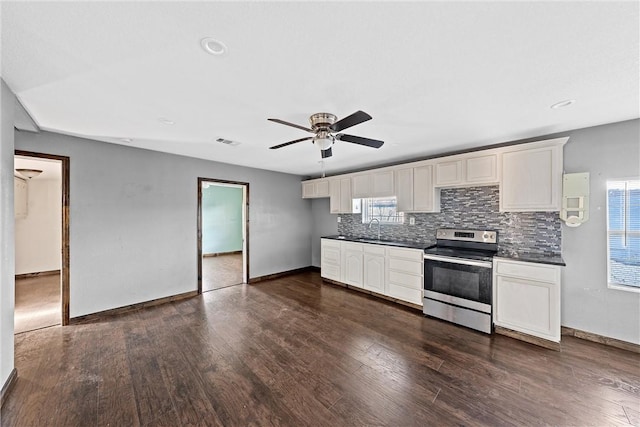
[535, 258]
[390, 243]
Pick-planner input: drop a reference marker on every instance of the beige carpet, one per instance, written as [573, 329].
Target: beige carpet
[221, 271]
[38, 303]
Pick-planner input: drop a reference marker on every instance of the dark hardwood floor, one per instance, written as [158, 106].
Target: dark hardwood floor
[294, 352]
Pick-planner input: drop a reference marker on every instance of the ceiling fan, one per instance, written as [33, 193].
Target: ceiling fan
[324, 125]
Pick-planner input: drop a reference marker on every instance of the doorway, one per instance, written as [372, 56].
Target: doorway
[222, 234]
[41, 184]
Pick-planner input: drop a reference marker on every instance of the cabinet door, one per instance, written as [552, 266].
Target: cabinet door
[374, 272]
[528, 306]
[20, 197]
[352, 265]
[346, 202]
[449, 173]
[361, 186]
[322, 188]
[404, 189]
[482, 169]
[334, 196]
[308, 190]
[382, 183]
[423, 191]
[531, 180]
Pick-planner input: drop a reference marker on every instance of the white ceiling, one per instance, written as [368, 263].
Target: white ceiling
[435, 76]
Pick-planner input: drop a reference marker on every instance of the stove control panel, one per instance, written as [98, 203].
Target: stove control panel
[483, 236]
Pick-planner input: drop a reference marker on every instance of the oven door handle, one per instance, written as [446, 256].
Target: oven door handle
[483, 264]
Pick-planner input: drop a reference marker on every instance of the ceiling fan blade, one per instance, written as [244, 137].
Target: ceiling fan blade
[289, 143]
[360, 140]
[282, 122]
[352, 120]
[326, 153]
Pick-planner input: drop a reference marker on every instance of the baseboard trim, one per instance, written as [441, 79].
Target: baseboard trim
[37, 274]
[527, 338]
[220, 254]
[88, 318]
[281, 274]
[611, 342]
[8, 385]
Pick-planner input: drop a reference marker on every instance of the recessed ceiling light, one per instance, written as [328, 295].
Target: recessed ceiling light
[213, 46]
[166, 121]
[563, 104]
[127, 140]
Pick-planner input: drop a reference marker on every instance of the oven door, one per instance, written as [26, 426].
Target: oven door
[458, 281]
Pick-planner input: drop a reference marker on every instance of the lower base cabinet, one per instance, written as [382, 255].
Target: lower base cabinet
[526, 298]
[389, 271]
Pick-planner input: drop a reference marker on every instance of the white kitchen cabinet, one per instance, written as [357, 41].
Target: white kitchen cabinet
[415, 191]
[449, 173]
[532, 177]
[526, 298]
[20, 197]
[315, 188]
[340, 195]
[330, 259]
[374, 268]
[467, 170]
[481, 169]
[404, 279]
[373, 184]
[352, 264]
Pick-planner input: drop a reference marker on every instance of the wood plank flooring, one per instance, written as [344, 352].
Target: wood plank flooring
[296, 351]
[38, 303]
[221, 271]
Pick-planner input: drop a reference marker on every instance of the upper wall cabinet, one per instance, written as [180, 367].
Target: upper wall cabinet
[467, 170]
[340, 195]
[373, 184]
[315, 188]
[20, 197]
[415, 191]
[532, 177]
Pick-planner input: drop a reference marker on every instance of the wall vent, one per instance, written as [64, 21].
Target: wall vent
[228, 142]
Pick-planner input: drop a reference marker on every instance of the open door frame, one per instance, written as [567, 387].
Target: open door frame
[64, 271]
[245, 243]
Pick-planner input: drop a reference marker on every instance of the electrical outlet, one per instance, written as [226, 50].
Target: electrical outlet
[412, 221]
[339, 219]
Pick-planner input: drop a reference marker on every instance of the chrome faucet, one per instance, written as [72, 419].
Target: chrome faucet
[378, 221]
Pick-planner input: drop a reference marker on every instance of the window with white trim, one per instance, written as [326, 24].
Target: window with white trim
[384, 209]
[623, 234]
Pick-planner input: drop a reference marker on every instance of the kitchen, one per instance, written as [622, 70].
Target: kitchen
[143, 202]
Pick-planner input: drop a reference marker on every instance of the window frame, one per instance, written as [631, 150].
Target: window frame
[366, 215]
[610, 284]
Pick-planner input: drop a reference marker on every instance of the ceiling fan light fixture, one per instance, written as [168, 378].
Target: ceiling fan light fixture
[323, 140]
[29, 173]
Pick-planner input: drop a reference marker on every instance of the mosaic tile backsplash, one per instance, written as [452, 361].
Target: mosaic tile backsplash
[471, 208]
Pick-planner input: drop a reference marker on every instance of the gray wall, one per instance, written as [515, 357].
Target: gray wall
[606, 152]
[324, 224]
[7, 240]
[133, 220]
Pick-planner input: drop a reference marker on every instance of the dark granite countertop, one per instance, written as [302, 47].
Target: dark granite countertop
[401, 244]
[551, 259]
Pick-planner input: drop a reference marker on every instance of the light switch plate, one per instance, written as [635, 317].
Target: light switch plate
[339, 219]
[412, 221]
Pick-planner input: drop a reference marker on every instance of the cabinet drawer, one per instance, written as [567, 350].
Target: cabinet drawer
[331, 256]
[406, 294]
[329, 243]
[410, 254]
[349, 246]
[540, 272]
[406, 266]
[407, 280]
